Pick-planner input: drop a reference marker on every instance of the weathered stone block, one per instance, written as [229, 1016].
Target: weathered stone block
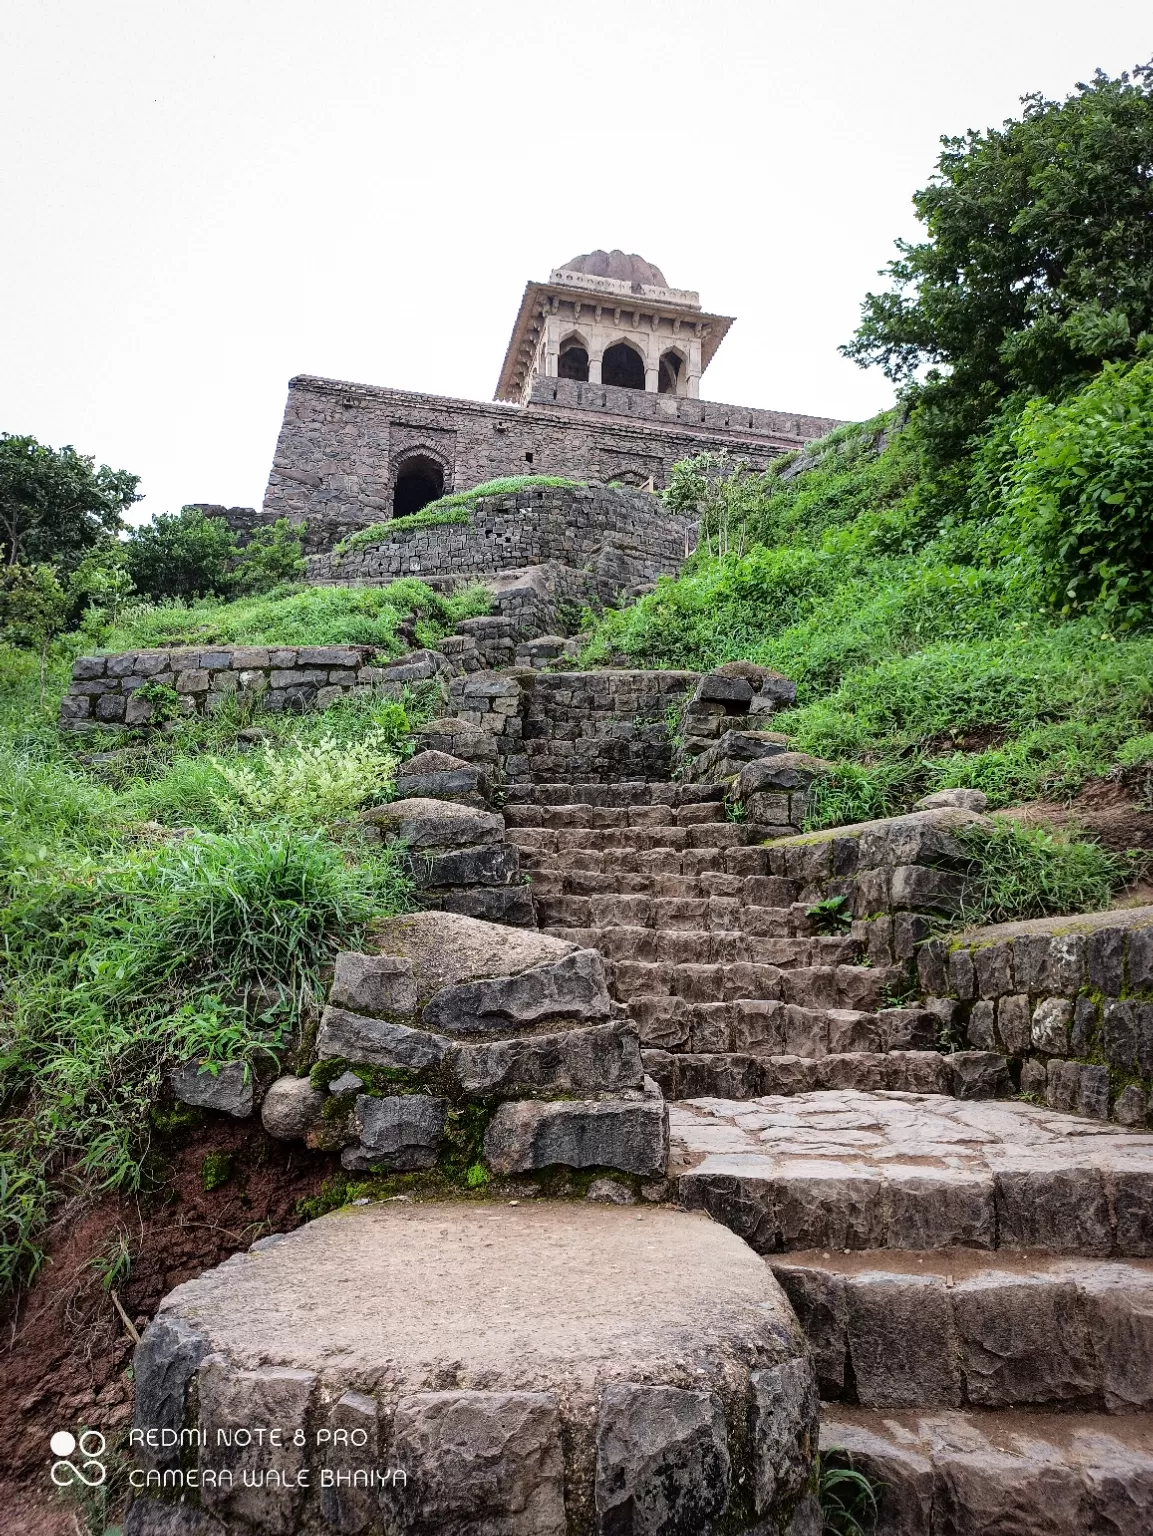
[478, 1461]
[601, 1059]
[1014, 1023]
[226, 1086]
[275, 1395]
[1050, 1026]
[496, 864]
[1022, 1340]
[165, 1361]
[399, 1134]
[631, 1136]
[662, 1460]
[570, 988]
[382, 985]
[435, 824]
[377, 1042]
[979, 1074]
[900, 1335]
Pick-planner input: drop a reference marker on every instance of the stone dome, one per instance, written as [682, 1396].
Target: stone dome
[616, 264]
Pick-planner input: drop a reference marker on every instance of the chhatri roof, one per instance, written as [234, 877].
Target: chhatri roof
[613, 279]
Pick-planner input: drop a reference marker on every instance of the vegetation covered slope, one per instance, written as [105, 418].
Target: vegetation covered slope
[962, 588]
[174, 896]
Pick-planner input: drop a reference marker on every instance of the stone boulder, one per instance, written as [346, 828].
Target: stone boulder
[291, 1107]
[494, 1352]
[422, 823]
[966, 799]
[779, 772]
[445, 949]
[440, 776]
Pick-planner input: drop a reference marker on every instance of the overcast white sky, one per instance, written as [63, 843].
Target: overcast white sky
[201, 199]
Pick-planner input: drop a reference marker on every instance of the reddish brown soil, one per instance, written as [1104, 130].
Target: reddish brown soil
[980, 739]
[65, 1353]
[1112, 811]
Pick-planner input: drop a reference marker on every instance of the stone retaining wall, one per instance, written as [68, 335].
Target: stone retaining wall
[106, 690]
[619, 539]
[1069, 998]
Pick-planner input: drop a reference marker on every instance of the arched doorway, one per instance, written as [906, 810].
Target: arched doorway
[669, 374]
[574, 363]
[419, 480]
[623, 366]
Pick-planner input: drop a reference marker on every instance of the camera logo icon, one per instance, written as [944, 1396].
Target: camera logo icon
[66, 1473]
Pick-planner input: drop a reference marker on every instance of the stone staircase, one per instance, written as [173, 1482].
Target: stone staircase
[733, 991]
[982, 1335]
[766, 1034]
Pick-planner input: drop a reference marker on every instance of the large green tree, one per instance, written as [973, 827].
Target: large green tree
[55, 504]
[1037, 264]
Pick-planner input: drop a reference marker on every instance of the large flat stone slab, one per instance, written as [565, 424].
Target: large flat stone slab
[533, 1370]
[999, 1474]
[847, 1169]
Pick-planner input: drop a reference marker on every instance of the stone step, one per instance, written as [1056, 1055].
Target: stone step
[563, 817]
[958, 1328]
[861, 987]
[766, 1027]
[642, 838]
[619, 860]
[735, 1075]
[702, 914]
[1001, 1473]
[736, 934]
[763, 891]
[851, 1170]
[620, 792]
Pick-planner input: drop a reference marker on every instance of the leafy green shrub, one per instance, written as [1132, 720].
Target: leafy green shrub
[305, 784]
[1081, 494]
[182, 554]
[1021, 872]
[272, 556]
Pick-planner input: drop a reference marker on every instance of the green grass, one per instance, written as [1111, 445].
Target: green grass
[180, 899]
[1022, 872]
[453, 508]
[293, 615]
[925, 655]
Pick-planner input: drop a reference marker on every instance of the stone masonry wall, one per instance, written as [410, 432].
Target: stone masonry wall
[105, 690]
[1068, 998]
[570, 727]
[621, 538]
[341, 445]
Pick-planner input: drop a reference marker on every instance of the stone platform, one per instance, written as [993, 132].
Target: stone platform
[854, 1170]
[516, 1369]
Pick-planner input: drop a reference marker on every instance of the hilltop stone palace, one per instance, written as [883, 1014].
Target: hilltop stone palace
[601, 382]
